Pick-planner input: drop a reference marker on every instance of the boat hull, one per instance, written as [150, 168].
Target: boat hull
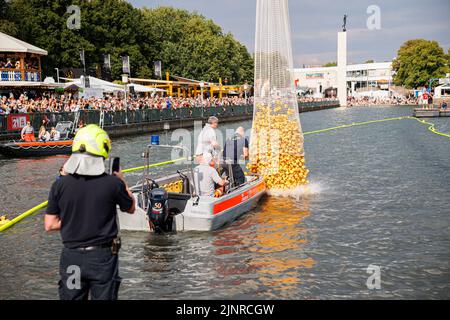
[36, 149]
[213, 213]
[208, 214]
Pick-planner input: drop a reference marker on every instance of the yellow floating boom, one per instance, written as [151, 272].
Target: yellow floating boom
[430, 125]
[23, 216]
[431, 128]
[44, 204]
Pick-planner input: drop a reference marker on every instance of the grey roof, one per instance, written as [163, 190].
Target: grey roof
[11, 44]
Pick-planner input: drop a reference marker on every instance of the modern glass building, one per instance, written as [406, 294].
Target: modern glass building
[361, 78]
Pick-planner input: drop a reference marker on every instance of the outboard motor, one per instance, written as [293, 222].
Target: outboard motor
[158, 210]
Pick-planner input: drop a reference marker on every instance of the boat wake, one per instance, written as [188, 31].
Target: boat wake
[297, 193]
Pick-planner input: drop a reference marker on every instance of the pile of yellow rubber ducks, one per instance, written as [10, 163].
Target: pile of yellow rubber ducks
[175, 187]
[277, 147]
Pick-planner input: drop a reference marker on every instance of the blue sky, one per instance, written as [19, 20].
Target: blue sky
[314, 25]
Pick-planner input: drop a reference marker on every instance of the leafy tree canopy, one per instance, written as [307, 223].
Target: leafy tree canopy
[188, 44]
[417, 62]
[448, 60]
[330, 64]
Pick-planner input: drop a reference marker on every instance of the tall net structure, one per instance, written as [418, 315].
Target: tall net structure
[276, 150]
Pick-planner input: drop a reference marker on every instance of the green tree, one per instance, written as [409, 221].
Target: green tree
[188, 44]
[370, 61]
[448, 60]
[330, 64]
[6, 24]
[194, 47]
[417, 62]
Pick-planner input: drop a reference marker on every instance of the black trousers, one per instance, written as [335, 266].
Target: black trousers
[93, 272]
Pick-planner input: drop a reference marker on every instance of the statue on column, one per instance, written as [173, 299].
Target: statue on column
[344, 26]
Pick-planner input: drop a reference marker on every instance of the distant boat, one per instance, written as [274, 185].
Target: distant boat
[36, 149]
[21, 149]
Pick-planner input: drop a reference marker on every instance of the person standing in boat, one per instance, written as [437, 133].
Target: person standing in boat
[236, 150]
[27, 133]
[207, 140]
[82, 204]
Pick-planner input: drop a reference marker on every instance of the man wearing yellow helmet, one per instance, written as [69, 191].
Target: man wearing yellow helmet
[82, 205]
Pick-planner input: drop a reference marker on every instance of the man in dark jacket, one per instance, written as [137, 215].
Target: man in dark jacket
[236, 151]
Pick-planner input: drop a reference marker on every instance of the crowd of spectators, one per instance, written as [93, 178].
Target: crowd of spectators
[13, 62]
[375, 101]
[66, 103]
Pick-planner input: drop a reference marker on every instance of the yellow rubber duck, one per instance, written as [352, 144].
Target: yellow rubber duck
[3, 220]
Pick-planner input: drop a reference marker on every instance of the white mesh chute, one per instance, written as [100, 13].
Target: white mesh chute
[276, 149]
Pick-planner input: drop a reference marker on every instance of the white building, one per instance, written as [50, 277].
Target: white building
[442, 93]
[362, 79]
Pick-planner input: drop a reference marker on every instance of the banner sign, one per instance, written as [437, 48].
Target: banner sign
[126, 64]
[314, 76]
[158, 71]
[82, 58]
[107, 61]
[17, 122]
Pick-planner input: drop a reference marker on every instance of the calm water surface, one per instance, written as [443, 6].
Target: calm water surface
[381, 196]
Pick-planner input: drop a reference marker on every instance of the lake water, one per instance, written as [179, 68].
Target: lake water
[380, 196]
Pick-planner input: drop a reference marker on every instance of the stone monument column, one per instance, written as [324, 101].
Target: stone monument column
[342, 68]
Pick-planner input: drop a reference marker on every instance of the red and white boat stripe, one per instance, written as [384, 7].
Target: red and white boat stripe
[236, 200]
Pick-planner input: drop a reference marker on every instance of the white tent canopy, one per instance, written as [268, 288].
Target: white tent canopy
[142, 89]
[105, 86]
[11, 44]
[95, 83]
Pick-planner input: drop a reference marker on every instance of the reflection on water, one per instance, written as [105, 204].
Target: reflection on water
[25, 182]
[279, 232]
[260, 255]
[378, 196]
[271, 238]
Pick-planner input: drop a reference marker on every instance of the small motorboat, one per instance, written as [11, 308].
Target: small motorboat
[171, 203]
[41, 148]
[36, 149]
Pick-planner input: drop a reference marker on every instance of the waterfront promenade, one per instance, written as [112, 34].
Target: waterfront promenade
[122, 123]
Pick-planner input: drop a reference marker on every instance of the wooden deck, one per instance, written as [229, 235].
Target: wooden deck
[431, 113]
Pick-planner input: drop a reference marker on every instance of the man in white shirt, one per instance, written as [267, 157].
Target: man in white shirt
[207, 139]
[205, 175]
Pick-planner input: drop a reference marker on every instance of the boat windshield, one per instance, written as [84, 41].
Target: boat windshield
[64, 127]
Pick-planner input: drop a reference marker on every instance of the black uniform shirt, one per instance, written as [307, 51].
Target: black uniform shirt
[87, 208]
[234, 148]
